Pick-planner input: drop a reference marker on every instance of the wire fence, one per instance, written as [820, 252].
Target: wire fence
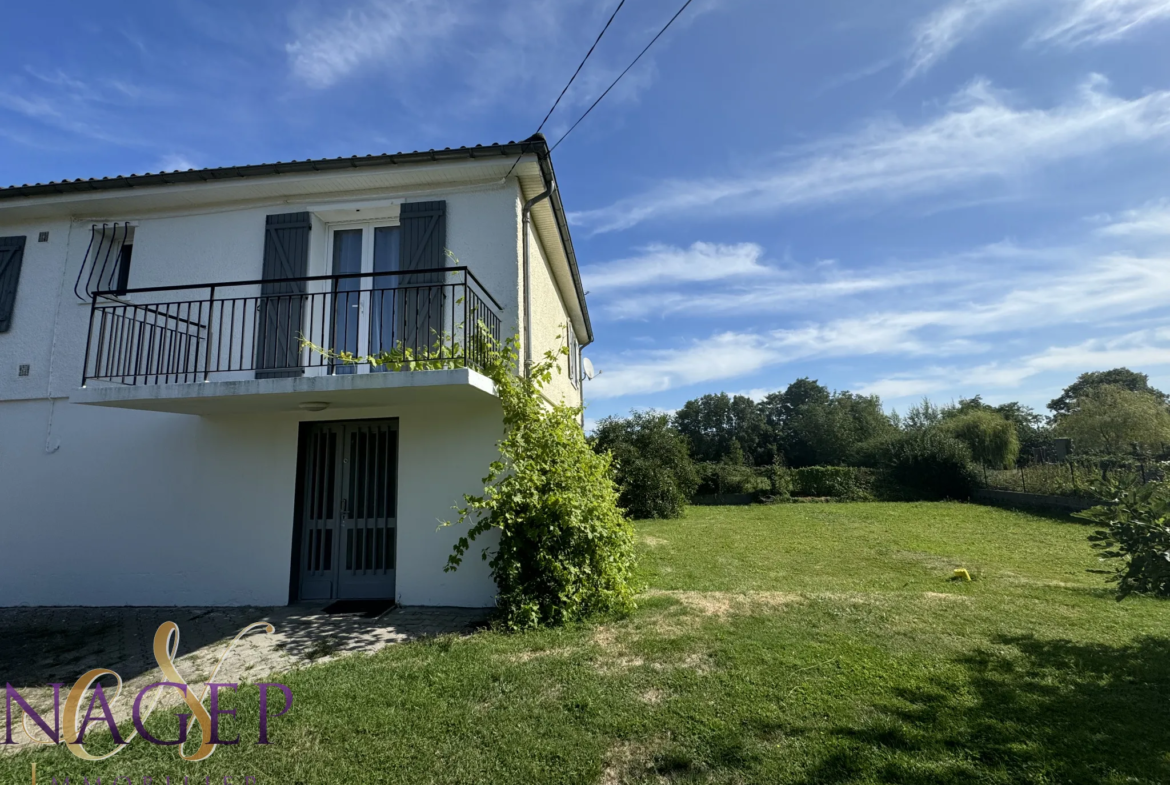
[1076, 477]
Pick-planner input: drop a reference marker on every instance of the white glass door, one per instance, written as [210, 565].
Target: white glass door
[363, 304]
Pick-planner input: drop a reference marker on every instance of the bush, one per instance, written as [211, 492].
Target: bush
[651, 464]
[565, 552]
[727, 478]
[1136, 530]
[927, 464]
[781, 482]
[838, 482]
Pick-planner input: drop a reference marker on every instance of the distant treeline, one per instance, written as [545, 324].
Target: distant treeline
[720, 443]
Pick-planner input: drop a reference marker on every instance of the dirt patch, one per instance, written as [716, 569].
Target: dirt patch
[630, 760]
[700, 663]
[653, 542]
[933, 562]
[935, 596]
[724, 604]
[652, 696]
[1011, 577]
[615, 653]
[529, 656]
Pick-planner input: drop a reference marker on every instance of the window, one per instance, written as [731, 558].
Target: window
[122, 282]
[11, 254]
[106, 267]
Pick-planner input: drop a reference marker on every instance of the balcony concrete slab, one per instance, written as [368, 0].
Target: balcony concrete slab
[341, 391]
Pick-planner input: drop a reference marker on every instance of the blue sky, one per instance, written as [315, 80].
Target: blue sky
[916, 198]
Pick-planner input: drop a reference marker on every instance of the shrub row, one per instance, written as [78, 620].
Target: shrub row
[656, 477]
[845, 483]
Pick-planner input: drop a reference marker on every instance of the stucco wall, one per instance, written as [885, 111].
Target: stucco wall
[140, 508]
[29, 341]
[108, 506]
[550, 321]
[51, 323]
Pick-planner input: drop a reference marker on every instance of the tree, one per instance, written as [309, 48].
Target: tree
[651, 464]
[921, 415]
[711, 422]
[779, 407]
[1118, 377]
[830, 432]
[1112, 419]
[1031, 432]
[991, 439]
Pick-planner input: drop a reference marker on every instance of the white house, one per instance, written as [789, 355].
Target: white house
[167, 439]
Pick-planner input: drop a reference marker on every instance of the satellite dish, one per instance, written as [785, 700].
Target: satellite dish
[587, 365]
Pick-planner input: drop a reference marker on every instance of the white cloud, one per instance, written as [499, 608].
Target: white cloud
[1150, 220]
[665, 264]
[327, 50]
[1068, 23]
[722, 356]
[775, 293]
[93, 110]
[486, 53]
[175, 162]
[1097, 21]
[1085, 289]
[757, 394]
[936, 35]
[1139, 349]
[980, 137]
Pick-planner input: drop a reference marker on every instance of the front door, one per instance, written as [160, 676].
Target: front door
[348, 522]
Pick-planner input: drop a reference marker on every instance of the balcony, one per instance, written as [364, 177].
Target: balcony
[274, 345]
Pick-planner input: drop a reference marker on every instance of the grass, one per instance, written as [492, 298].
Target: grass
[787, 644]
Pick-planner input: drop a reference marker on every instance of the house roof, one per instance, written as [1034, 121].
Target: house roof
[535, 145]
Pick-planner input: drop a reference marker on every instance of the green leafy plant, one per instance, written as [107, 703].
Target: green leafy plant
[781, 481]
[651, 463]
[565, 550]
[445, 352]
[1135, 523]
[845, 483]
[724, 477]
[926, 464]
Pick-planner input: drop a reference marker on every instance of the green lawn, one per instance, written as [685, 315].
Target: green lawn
[806, 643]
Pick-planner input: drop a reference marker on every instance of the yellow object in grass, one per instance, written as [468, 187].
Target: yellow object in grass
[961, 573]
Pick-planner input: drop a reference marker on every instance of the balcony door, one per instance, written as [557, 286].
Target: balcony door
[348, 523]
[364, 307]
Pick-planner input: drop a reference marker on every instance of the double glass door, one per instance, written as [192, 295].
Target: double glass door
[364, 305]
[348, 523]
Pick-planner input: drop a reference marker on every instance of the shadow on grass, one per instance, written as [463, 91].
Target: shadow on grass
[1048, 711]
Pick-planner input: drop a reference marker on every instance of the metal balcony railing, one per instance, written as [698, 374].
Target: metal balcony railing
[415, 320]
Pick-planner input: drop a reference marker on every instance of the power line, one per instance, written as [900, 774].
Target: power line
[623, 73]
[582, 65]
[572, 78]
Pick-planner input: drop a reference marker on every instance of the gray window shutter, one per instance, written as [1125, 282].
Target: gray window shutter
[11, 255]
[282, 304]
[424, 247]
